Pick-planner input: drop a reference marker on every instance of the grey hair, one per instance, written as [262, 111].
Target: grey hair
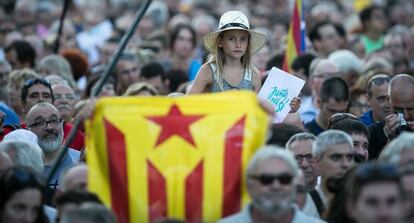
[392, 152]
[94, 213]
[300, 137]
[25, 154]
[271, 151]
[346, 61]
[330, 137]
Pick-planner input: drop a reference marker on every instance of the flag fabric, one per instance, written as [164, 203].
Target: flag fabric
[182, 158]
[296, 42]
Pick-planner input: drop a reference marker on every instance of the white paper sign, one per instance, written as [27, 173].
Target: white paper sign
[279, 89]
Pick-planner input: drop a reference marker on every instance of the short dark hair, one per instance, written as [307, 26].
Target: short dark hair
[24, 51]
[151, 70]
[351, 126]
[77, 197]
[303, 62]
[366, 13]
[176, 78]
[335, 88]
[176, 31]
[314, 31]
[366, 174]
[282, 132]
[29, 83]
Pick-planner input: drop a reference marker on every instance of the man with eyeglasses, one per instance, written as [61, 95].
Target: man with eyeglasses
[64, 100]
[271, 177]
[300, 145]
[334, 156]
[45, 121]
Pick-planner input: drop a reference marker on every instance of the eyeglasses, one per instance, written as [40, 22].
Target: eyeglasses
[64, 96]
[267, 179]
[54, 122]
[335, 118]
[299, 158]
[378, 80]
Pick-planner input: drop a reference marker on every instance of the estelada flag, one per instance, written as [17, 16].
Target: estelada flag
[183, 158]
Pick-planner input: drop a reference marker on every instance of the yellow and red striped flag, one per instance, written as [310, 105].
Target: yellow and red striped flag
[182, 158]
[296, 42]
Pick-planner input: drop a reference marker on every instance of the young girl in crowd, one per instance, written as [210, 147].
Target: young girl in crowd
[229, 66]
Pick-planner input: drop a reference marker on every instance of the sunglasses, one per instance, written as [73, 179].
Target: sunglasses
[29, 83]
[378, 81]
[335, 118]
[268, 179]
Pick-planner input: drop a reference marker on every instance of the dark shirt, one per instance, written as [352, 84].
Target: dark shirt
[378, 140]
[314, 128]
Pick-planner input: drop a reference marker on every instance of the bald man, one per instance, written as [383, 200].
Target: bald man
[401, 98]
[45, 121]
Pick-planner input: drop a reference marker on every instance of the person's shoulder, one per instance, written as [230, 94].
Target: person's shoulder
[74, 154]
[301, 217]
[235, 218]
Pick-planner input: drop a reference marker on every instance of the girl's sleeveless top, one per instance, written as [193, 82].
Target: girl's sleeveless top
[245, 84]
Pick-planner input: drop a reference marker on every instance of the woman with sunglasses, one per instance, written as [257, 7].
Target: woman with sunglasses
[21, 196]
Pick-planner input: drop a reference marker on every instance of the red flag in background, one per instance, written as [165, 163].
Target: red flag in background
[296, 44]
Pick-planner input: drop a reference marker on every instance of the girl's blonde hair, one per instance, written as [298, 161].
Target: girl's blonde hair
[218, 58]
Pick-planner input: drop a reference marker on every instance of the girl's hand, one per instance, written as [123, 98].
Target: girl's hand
[294, 105]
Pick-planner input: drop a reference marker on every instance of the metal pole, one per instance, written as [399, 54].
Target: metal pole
[112, 62]
[61, 24]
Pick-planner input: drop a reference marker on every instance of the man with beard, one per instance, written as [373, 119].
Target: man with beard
[44, 120]
[334, 156]
[272, 176]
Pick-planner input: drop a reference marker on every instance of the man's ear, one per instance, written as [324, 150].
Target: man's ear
[318, 102]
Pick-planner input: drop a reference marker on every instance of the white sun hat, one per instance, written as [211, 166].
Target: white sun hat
[234, 20]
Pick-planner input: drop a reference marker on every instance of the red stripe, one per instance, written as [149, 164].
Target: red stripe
[157, 193]
[118, 175]
[194, 194]
[296, 32]
[233, 168]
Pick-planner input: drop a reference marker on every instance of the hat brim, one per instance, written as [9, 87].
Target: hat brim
[257, 40]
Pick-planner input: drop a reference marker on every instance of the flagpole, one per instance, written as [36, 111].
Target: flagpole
[66, 5]
[112, 62]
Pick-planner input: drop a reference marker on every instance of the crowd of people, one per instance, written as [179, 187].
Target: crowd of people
[344, 153]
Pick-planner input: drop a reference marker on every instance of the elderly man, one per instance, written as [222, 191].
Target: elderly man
[334, 156]
[300, 145]
[64, 100]
[75, 178]
[272, 176]
[45, 121]
[401, 98]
